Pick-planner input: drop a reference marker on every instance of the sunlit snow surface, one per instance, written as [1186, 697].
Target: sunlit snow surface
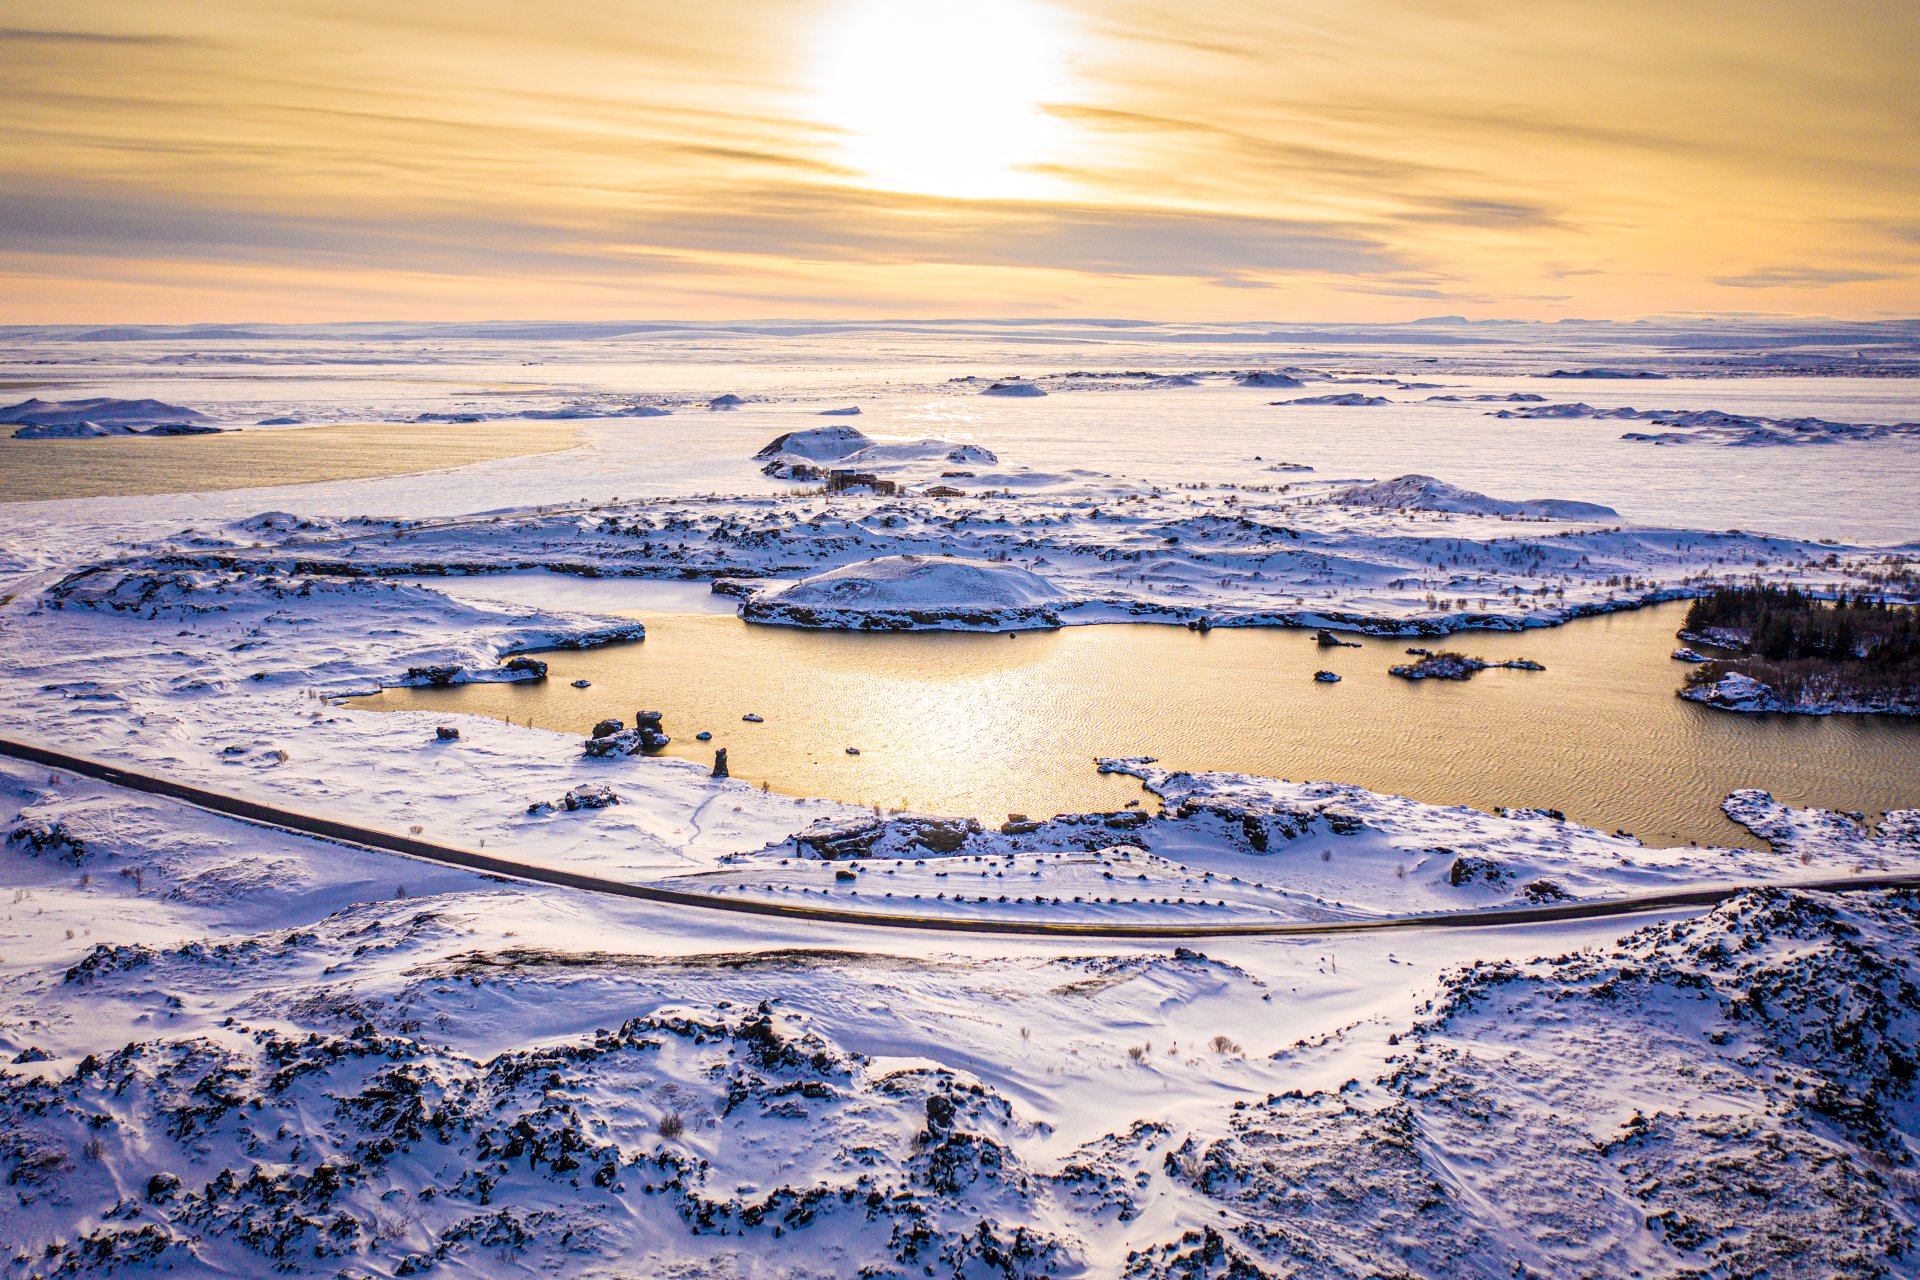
[230, 1049]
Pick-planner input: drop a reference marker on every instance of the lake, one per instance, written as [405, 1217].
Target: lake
[990, 725]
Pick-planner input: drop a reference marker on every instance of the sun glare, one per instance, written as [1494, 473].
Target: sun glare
[944, 98]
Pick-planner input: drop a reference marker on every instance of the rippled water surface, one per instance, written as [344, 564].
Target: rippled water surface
[991, 725]
[44, 470]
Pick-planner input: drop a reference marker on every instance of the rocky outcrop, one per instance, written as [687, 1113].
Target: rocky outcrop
[1733, 692]
[611, 737]
[587, 797]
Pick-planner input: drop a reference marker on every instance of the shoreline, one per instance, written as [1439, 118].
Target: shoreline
[54, 470]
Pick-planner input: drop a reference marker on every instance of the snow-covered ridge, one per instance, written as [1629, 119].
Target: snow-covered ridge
[1252, 555]
[1712, 426]
[1424, 493]
[1349, 399]
[102, 416]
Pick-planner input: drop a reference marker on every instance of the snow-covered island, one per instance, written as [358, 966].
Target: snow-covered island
[910, 593]
[1791, 652]
[1448, 665]
[99, 416]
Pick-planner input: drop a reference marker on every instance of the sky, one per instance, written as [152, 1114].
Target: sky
[233, 160]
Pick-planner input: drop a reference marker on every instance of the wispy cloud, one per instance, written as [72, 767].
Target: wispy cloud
[1225, 159]
[34, 35]
[1800, 278]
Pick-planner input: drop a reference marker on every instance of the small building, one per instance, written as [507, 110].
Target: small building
[841, 481]
[945, 491]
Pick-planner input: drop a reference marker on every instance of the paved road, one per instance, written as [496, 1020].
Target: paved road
[446, 855]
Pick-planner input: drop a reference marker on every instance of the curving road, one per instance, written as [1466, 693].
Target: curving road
[446, 855]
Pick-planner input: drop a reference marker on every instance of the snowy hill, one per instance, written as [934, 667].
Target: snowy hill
[1424, 493]
[897, 593]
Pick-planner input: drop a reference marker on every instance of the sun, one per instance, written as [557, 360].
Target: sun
[944, 98]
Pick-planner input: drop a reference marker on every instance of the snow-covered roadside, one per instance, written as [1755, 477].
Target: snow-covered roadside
[233, 1049]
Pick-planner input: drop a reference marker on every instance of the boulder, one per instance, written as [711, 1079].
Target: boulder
[589, 798]
[1544, 891]
[1468, 868]
[621, 742]
[652, 736]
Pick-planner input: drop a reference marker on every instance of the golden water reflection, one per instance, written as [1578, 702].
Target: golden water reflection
[990, 725]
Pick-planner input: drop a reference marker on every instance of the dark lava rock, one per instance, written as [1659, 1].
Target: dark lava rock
[447, 733]
[945, 837]
[37, 838]
[652, 736]
[619, 742]
[589, 798]
[607, 728]
[832, 838]
[1544, 891]
[521, 664]
[1468, 867]
[438, 676]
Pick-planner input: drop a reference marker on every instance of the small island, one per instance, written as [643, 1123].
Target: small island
[1787, 651]
[1448, 665]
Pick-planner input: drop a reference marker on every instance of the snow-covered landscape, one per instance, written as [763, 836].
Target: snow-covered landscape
[1238, 1027]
